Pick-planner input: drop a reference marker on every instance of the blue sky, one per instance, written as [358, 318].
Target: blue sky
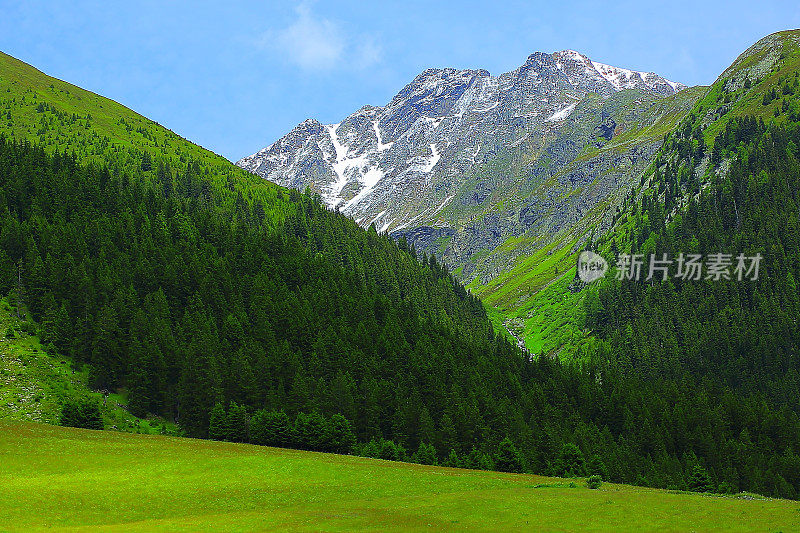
[236, 76]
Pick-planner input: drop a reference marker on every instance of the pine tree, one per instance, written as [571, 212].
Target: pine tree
[425, 455]
[218, 423]
[507, 458]
[570, 462]
[595, 466]
[700, 480]
[452, 460]
[237, 423]
[340, 435]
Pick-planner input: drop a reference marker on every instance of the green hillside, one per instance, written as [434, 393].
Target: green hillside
[725, 181]
[200, 295]
[58, 115]
[58, 478]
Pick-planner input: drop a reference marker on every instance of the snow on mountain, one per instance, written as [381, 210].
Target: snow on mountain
[403, 165]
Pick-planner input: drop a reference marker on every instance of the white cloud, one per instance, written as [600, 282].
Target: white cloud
[318, 44]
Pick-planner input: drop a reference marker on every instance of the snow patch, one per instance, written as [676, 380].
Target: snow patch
[442, 205]
[561, 114]
[622, 78]
[369, 180]
[434, 121]
[379, 215]
[433, 160]
[339, 167]
[381, 146]
[675, 86]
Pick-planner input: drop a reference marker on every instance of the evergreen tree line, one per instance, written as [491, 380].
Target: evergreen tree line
[314, 431]
[189, 306]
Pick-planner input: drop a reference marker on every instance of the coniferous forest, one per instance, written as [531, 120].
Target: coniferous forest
[314, 333]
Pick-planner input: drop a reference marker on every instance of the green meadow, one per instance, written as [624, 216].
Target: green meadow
[72, 479]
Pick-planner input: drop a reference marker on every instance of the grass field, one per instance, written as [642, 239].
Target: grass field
[64, 478]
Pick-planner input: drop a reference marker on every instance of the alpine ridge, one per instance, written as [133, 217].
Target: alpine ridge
[453, 144]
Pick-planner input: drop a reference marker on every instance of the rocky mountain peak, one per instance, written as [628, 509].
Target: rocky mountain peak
[421, 156]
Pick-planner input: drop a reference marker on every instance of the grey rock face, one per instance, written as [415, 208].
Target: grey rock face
[460, 160]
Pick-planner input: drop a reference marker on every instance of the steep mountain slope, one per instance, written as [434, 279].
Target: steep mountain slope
[461, 161]
[726, 181]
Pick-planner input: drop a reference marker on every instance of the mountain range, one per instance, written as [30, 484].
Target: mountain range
[460, 161]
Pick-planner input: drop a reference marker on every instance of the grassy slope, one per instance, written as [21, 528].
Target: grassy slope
[59, 116]
[67, 478]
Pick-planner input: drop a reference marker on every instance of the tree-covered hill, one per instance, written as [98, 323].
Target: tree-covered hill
[187, 307]
[57, 115]
[727, 182]
[188, 283]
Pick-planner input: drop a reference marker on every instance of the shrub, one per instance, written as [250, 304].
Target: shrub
[81, 413]
[594, 481]
[10, 333]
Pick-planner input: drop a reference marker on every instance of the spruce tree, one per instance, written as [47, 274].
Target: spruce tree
[218, 423]
[507, 457]
[237, 423]
[700, 480]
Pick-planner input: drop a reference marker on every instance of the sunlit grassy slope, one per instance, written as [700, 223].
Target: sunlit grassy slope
[62, 478]
[60, 116]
